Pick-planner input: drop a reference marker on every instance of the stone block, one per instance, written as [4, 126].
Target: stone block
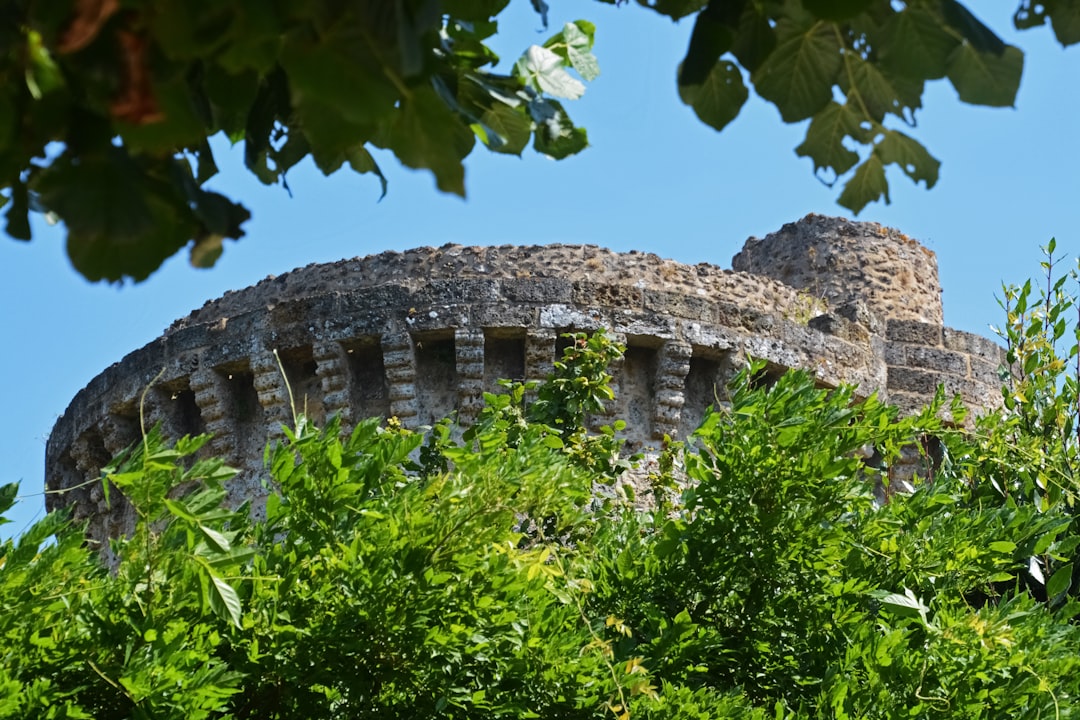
[985, 372]
[975, 345]
[504, 315]
[938, 360]
[691, 307]
[454, 292]
[607, 294]
[546, 290]
[560, 316]
[913, 380]
[913, 331]
[896, 353]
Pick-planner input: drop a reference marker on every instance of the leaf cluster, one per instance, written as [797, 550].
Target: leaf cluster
[396, 575]
[106, 108]
[856, 69]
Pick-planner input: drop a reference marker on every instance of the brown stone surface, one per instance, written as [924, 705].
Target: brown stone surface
[843, 261]
[423, 333]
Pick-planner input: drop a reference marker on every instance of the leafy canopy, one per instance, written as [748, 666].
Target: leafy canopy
[506, 574]
[106, 107]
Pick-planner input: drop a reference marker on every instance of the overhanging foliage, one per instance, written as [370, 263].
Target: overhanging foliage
[106, 106]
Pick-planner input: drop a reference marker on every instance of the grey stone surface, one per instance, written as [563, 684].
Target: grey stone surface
[423, 333]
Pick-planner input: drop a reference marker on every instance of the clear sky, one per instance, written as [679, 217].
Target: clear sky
[654, 179]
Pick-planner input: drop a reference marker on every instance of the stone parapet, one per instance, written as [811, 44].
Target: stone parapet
[420, 335]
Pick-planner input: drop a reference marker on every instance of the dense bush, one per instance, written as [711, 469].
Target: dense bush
[505, 574]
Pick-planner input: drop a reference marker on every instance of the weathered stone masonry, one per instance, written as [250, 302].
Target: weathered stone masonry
[421, 334]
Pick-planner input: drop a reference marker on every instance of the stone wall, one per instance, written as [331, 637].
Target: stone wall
[421, 334]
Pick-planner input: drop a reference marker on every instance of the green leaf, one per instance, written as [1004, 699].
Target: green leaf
[223, 599]
[1031, 13]
[1050, 536]
[427, 134]
[18, 215]
[206, 251]
[231, 96]
[474, 9]
[553, 441]
[982, 38]
[216, 539]
[983, 78]
[257, 32]
[1065, 20]
[507, 129]
[219, 216]
[718, 100]
[8, 122]
[674, 9]
[361, 161]
[574, 44]
[905, 604]
[180, 510]
[824, 143]
[1060, 581]
[542, 70]
[43, 75]
[710, 39]
[7, 498]
[896, 148]
[1003, 546]
[329, 136]
[341, 72]
[180, 127]
[836, 9]
[876, 91]
[866, 186]
[555, 135]
[914, 43]
[799, 74]
[121, 219]
[755, 39]
[189, 29]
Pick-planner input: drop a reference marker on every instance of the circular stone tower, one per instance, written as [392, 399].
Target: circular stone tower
[847, 263]
[420, 335]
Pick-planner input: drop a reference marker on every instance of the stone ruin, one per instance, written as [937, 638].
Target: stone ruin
[421, 334]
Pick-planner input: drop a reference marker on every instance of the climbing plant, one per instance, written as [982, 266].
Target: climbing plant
[482, 578]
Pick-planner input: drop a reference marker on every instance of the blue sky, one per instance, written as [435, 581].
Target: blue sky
[654, 179]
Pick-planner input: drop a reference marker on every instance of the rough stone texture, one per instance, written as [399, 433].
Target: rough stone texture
[421, 334]
[844, 261]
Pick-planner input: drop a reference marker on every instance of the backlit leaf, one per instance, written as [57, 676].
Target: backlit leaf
[836, 9]
[867, 185]
[909, 155]
[427, 134]
[542, 69]
[718, 100]
[824, 143]
[511, 127]
[983, 78]
[799, 74]
[1065, 20]
[915, 43]
[555, 134]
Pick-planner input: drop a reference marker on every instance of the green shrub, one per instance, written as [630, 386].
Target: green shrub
[403, 575]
